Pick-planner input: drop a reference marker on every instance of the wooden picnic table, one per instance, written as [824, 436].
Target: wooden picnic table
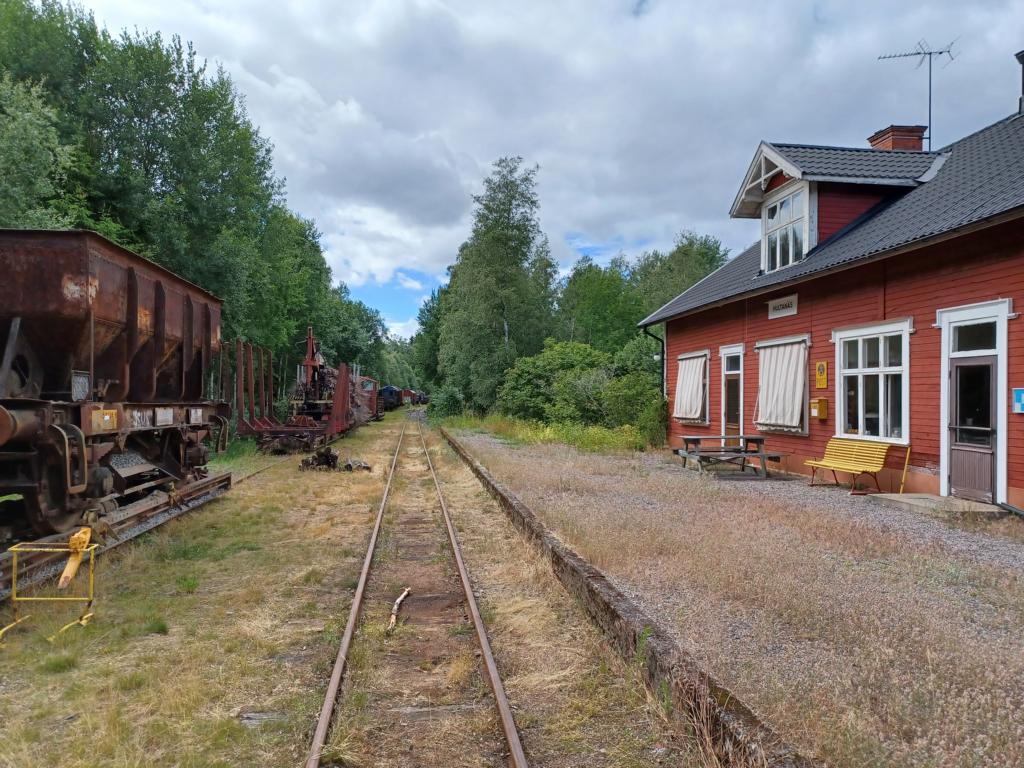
[739, 450]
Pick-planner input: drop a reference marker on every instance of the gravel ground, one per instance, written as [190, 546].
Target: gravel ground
[977, 545]
[868, 635]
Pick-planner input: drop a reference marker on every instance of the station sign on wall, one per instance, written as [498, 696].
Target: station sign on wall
[783, 306]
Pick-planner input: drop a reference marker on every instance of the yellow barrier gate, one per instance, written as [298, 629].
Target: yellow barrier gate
[76, 548]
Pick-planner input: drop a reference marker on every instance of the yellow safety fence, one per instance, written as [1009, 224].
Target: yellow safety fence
[76, 548]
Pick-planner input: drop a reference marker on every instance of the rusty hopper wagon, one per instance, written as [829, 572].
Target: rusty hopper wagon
[105, 364]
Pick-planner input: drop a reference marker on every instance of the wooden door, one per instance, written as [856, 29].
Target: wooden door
[972, 434]
[732, 408]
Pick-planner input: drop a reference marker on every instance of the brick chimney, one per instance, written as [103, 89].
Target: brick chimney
[909, 138]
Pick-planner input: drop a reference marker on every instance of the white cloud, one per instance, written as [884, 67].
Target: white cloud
[402, 328]
[409, 283]
[385, 116]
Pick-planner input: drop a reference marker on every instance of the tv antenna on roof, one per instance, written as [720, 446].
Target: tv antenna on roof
[922, 52]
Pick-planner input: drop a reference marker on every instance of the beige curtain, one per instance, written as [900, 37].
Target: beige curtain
[689, 402]
[782, 385]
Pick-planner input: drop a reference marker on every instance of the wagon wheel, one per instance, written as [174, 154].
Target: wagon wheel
[47, 511]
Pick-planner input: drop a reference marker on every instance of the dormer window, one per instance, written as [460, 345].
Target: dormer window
[784, 228]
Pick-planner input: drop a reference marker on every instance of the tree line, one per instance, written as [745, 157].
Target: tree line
[507, 334]
[137, 138]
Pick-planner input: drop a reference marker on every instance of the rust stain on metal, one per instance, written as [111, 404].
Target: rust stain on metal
[72, 288]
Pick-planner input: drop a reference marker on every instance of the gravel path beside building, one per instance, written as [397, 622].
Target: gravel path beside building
[869, 635]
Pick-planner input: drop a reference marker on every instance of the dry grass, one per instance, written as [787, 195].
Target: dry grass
[227, 612]
[863, 646]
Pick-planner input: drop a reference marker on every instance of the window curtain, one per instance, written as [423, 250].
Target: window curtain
[689, 402]
[782, 384]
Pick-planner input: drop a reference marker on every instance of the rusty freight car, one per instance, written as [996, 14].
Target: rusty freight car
[324, 403]
[106, 372]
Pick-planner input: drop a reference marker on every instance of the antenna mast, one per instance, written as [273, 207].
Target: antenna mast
[922, 52]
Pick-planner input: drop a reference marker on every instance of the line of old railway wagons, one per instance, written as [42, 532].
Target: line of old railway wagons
[114, 381]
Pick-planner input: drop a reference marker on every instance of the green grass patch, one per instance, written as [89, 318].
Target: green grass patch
[583, 437]
[59, 662]
[188, 583]
[184, 549]
[132, 681]
[155, 626]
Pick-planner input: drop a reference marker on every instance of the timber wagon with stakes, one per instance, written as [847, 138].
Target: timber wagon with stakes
[111, 381]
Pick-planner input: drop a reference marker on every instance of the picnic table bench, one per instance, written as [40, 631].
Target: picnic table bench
[707, 450]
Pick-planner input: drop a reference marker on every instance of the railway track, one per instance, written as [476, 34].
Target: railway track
[414, 557]
[127, 523]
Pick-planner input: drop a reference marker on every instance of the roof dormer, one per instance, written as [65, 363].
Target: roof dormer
[804, 194]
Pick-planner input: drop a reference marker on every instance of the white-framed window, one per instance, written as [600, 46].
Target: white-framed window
[782, 384]
[873, 381]
[691, 400]
[785, 231]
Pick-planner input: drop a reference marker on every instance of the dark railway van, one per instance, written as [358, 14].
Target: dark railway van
[391, 397]
[106, 367]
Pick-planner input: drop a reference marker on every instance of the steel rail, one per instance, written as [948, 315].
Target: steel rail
[331, 696]
[126, 525]
[134, 523]
[517, 757]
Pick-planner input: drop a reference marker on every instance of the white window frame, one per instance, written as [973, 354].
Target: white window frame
[794, 339]
[905, 328]
[1001, 312]
[810, 228]
[706, 354]
[731, 350]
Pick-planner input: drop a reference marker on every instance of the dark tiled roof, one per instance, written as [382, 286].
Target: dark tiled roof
[982, 177]
[855, 163]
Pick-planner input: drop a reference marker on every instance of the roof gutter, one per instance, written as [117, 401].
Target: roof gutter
[1013, 215]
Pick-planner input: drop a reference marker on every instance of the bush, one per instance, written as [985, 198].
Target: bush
[626, 397]
[578, 396]
[528, 390]
[652, 423]
[445, 402]
[639, 355]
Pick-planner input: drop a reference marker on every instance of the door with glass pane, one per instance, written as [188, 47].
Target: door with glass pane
[732, 413]
[732, 408]
[972, 411]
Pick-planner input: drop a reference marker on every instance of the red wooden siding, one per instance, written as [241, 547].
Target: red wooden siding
[974, 268]
[839, 204]
[777, 181]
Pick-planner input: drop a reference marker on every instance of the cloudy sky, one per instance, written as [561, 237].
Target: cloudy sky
[642, 114]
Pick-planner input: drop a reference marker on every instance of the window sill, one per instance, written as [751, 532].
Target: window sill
[796, 431]
[692, 422]
[874, 439]
[781, 269]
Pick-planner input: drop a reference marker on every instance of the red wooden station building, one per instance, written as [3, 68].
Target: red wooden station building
[880, 303]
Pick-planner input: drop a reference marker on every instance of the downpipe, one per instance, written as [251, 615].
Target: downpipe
[661, 358]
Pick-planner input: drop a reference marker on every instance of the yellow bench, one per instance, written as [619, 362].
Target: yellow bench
[857, 457]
